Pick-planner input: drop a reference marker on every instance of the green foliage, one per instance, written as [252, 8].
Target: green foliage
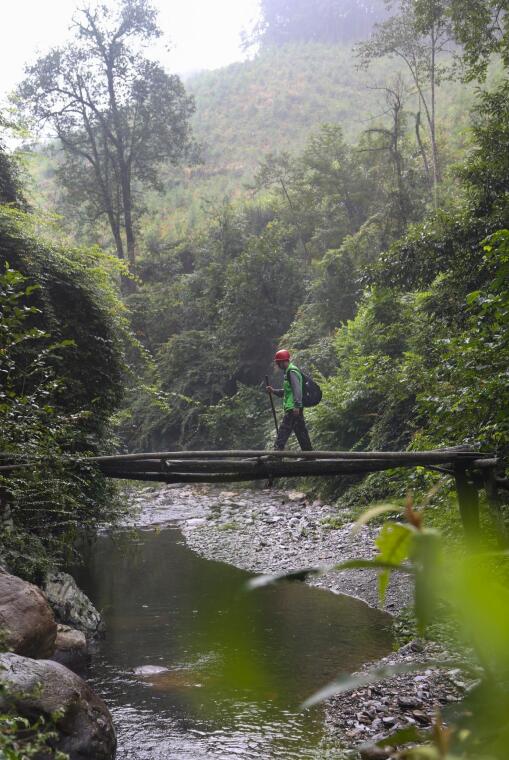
[481, 27]
[423, 362]
[71, 284]
[241, 421]
[21, 739]
[468, 390]
[212, 324]
[61, 370]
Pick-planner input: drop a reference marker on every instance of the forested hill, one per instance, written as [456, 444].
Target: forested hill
[268, 104]
[273, 103]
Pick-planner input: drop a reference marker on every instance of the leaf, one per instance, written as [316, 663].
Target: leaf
[260, 581]
[370, 514]
[371, 564]
[426, 752]
[427, 559]
[402, 736]
[394, 543]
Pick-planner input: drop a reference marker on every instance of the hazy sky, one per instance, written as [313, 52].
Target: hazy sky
[204, 33]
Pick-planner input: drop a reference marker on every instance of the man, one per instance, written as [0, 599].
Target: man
[291, 393]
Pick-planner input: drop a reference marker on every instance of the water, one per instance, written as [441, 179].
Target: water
[194, 667]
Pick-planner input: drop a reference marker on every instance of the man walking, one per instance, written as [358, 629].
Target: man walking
[291, 393]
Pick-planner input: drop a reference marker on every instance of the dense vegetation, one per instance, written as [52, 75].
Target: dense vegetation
[61, 361]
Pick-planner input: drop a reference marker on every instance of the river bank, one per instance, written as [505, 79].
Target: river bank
[277, 531]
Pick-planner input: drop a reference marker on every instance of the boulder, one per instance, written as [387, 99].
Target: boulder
[27, 623]
[71, 648]
[71, 606]
[37, 688]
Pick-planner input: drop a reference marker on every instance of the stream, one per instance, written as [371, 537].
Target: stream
[193, 666]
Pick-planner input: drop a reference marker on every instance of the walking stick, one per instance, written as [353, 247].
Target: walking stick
[272, 404]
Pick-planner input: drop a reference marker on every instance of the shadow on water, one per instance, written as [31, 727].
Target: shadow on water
[194, 667]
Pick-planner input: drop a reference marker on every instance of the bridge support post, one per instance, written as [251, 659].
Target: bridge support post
[493, 496]
[468, 501]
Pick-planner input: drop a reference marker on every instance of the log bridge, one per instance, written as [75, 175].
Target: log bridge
[470, 469]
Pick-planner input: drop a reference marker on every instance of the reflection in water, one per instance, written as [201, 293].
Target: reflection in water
[194, 667]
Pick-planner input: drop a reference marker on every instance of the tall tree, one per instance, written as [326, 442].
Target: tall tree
[116, 113]
[419, 35]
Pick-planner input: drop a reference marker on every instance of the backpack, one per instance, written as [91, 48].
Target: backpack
[311, 391]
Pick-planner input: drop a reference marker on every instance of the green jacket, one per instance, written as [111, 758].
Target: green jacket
[292, 389]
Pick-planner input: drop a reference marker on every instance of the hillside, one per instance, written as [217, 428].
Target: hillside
[272, 103]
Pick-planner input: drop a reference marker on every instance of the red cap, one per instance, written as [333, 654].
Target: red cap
[282, 356]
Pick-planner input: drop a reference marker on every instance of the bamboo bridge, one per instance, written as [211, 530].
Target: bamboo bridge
[470, 470]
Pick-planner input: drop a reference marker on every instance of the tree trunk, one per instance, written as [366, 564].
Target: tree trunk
[434, 150]
[128, 218]
[422, 149]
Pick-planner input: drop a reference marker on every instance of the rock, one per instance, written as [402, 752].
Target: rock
[421, 717]
[374, 753]
[296, 496]
[195, 522]
[41, 687]
[71, 606]
[408, 702]
[71, 648]
[150, 670]
[27, 622]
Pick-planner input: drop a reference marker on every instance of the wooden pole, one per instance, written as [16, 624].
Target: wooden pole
[468, 501]
[491, 486]
[444, 456]
[272, 404]
[249, 465]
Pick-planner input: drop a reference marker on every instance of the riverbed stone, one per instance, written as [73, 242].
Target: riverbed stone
[42, 687]
[71, 648]
[71, 606]
[27, 623]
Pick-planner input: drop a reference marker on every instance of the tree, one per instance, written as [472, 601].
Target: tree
[393, 164]
[284, 21]
[117, 114]
[482, 28]
[419, 35]
[10, 191]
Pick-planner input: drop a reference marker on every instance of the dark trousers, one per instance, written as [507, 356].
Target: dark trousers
[293, 423]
